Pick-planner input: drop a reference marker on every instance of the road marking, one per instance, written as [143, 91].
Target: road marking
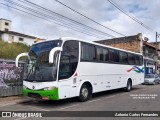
[68, 107]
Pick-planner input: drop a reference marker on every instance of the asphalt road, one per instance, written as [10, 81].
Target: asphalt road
[141, 98]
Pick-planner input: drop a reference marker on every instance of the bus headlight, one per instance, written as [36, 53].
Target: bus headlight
[24, 87]
[49, 88]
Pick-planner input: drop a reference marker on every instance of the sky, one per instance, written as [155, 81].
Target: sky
[45, 25]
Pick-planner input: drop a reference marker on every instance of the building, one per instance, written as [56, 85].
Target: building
[6, 34]
[136, 43]
[130, 43]
[5, 25]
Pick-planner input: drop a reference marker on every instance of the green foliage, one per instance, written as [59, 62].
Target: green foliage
[11, 50]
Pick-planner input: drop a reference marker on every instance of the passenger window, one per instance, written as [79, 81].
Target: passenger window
[137, 60]
[99, 54]
[111, 55]
[140, 60]
[123, 57]
[116, 56]
[105, 55]
[88, 52]
[131, 59]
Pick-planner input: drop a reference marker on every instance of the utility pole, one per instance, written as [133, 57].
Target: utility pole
[156, 65]
[156, 43]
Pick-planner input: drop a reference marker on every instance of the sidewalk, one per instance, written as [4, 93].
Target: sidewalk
[12, 100]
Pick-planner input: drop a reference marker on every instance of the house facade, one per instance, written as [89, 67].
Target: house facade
[7, 35]
[11, 36]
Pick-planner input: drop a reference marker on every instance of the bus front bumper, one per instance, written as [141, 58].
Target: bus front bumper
[42, 94]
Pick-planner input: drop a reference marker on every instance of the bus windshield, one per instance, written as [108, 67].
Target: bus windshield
[38, 67]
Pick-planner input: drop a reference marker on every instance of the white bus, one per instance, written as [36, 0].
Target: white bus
[67, 67]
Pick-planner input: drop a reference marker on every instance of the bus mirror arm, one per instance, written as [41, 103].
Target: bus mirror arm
[19, 56]
[52, 52]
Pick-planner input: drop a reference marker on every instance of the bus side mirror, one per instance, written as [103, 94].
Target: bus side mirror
[52, 52]
[19, 56]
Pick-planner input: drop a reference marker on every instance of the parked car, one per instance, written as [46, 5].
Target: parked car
[152, 79]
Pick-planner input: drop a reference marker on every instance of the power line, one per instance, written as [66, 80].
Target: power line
[88, 18]
[133, 18]
[49, 20]
[99, 32]
[64, 17]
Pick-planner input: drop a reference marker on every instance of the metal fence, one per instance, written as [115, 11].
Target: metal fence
[11, 82]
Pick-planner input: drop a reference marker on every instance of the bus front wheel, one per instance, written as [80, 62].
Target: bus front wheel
[85, 93]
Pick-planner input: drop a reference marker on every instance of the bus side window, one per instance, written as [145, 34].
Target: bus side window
[111, 55]
[137, 60]
[84, 52]
[116, 56]
[99, 54]
[123, 57]
[105, 55]
[88, 52]
[92, 53]
[64, 67]
[140, 60]
[131, 59]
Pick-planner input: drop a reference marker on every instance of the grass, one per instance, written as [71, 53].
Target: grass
[11, 50]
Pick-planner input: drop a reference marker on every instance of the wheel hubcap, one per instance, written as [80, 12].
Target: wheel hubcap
[85, 92]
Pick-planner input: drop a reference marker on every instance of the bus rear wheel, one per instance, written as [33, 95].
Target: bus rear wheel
[129, 86]
[85, 93]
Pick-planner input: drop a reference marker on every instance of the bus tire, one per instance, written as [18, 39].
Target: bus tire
[85, 93]
[129, 86]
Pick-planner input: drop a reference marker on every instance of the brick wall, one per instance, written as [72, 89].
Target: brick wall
[130, 43]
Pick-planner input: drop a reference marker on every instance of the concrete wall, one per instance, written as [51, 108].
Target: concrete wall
[11, 78]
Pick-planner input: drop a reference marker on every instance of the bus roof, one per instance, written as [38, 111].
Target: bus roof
[94, 43]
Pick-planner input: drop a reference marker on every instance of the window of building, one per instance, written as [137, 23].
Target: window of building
[6, 23]
[21, 39]
[88, 52]
[5, 29]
